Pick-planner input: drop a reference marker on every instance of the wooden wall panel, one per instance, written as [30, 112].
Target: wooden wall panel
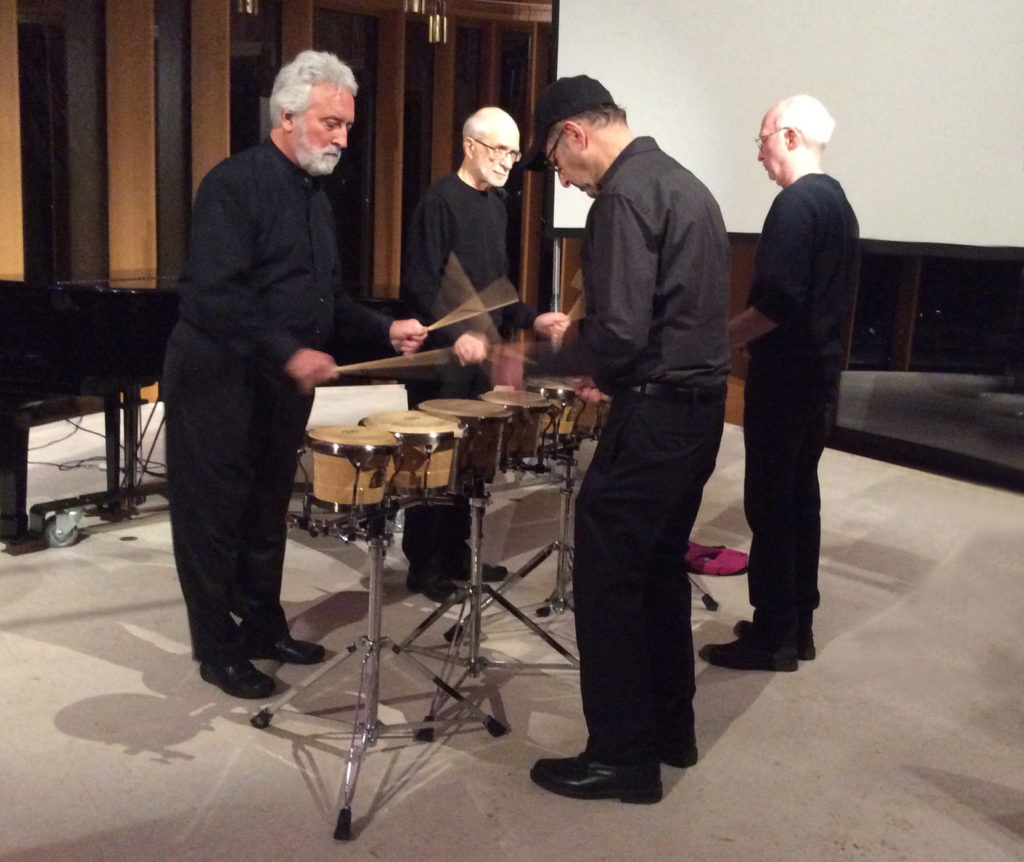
[131, 138]
[296, 27]
[533, 181]
[12, 251]
[443, 122]
[387, 228]
[211, 86]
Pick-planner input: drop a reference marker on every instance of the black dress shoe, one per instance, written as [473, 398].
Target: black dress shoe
[488, 574]
[805, 650]
[239, 679]
[436, 589]
[582, 778]
[290, 651]
[748, 654]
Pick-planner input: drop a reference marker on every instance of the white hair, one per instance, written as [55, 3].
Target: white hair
[295, 81]
[808, 116]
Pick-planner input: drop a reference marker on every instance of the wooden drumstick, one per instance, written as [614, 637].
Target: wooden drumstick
[465, 313]
[412, 360]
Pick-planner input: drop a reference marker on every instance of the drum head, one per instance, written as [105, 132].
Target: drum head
[351, 435]
[411, 422]
[535, 384]
[516, 398]
[464, 408]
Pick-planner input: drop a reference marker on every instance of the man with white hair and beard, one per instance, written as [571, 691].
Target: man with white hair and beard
[261, 297]
[461, 216]
[800, 293]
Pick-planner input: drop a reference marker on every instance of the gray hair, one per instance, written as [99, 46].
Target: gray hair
[808, 116]
[295, 81]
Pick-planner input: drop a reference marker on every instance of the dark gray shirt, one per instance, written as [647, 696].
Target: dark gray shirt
[655, 265]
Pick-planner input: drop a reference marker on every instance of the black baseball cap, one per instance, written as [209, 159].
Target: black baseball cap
[566, 97]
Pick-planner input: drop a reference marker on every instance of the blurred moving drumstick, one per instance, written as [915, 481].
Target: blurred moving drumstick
[578, 309]
[470, 308]
[411, 365]
[458, 301]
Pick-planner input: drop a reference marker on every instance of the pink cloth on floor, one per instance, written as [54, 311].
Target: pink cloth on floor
[714, 560]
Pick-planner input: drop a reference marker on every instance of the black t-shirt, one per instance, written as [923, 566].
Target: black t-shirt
[803, 280]
[452, 217]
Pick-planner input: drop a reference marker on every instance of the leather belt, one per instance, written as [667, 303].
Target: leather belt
[679, 394]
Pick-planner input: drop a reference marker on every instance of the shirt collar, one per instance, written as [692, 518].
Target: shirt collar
[643, 144]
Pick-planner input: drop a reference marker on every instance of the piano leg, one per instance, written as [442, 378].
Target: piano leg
[13, 476]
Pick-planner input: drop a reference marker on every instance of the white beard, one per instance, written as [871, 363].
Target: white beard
[315, 161]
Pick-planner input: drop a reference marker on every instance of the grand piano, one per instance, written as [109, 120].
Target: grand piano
[89, 338]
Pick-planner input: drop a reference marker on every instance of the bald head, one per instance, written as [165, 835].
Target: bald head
[793, 137]
[490, 143]
[809, 117]
[488, 121]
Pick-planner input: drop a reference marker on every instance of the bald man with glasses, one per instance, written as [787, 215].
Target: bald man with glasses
[800, 293]
[462, 215]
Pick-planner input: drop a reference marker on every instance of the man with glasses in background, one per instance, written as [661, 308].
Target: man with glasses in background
[461, 216]
[800, 293]
[655, 262]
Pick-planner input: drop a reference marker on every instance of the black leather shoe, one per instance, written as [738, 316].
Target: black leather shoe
[437, 589]
[239, 679]
[290, 651]
[582, 778]
[805, 651]
[488, 574]
[750, 655]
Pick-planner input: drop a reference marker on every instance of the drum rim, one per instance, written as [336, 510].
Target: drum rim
[502, 414]
[543, 404]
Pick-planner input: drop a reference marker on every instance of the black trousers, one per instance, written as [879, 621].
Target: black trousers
[634, 512]
[784, 430]
[435, 537]
[233, 433]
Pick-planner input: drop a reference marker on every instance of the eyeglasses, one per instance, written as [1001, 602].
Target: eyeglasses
[760, 139]
[549, 157]
[499, 154]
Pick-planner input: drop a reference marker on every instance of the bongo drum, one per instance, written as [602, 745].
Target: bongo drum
[426, 450]
[561, 392]
[351, 465]
[529, 410]
[484, 425]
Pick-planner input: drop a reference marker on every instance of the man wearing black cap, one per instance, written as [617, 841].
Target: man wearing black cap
[655, 262]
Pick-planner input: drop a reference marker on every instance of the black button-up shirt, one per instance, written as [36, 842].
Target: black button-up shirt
[262, 272]
[655, 263]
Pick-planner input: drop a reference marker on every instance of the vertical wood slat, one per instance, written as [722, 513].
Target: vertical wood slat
[387, 228]
[533, 181]
[297, 17]
[442, 145]
[211, 86]
[12, 249]
[906, 314]
[490, 63]
[131, 138]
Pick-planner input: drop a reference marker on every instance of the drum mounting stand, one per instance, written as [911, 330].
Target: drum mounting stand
[367, 727]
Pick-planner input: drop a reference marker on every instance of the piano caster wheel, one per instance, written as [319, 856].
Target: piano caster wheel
[61, 530]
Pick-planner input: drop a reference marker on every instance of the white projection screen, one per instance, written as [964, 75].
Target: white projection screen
[928, 97]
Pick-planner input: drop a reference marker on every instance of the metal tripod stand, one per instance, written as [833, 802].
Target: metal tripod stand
[463, 638]
[367, 727]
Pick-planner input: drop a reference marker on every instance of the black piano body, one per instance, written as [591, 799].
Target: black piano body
[86, 338]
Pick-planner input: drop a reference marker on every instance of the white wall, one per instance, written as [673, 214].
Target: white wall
[927, 95]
